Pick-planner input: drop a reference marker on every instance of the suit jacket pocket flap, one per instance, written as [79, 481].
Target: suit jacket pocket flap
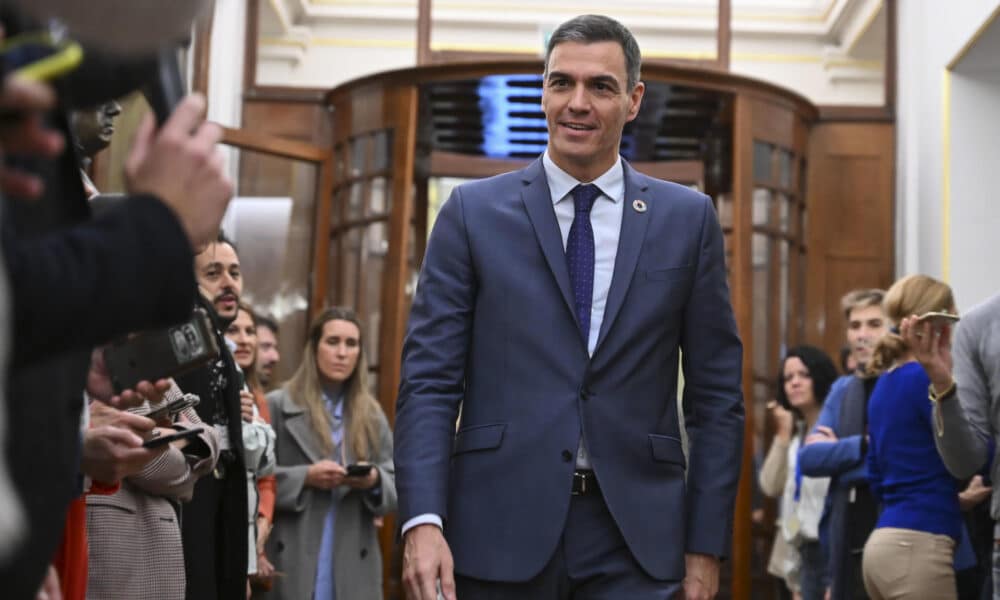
[479, 437]
[667, 449]
[670, 274]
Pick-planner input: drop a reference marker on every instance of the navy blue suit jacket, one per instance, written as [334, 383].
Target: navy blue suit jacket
[492, 330]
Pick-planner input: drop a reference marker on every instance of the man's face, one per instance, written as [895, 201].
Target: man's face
[267, 354]
[93, 128]
[217, 269]
[864, 328]
[586, 101]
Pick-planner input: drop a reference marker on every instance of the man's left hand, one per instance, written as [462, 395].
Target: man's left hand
[701, 581]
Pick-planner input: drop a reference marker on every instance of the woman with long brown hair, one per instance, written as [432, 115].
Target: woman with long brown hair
[327, 422]
[910, 553]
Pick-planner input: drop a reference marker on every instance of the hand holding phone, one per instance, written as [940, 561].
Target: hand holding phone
[358, 470]
[938, 317]
[162, 353]
[162, 440]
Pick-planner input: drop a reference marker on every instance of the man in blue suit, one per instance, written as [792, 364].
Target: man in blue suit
[551, 309]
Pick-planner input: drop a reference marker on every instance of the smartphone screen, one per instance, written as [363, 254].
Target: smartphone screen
[358, 470]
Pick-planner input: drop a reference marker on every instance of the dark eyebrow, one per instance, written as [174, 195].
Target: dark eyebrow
[558, 74]
[607, 79]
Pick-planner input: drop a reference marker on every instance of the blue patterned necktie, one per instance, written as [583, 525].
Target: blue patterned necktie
[580, 254]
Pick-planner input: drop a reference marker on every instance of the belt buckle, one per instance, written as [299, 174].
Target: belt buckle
[582, 478]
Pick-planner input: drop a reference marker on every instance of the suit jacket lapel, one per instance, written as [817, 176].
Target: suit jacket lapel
[297, 424]
[633, 233]
[538, 203]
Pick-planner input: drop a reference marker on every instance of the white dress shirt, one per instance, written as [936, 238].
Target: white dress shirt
[606, 221]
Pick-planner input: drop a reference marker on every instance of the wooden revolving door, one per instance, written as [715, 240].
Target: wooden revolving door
[403, 138]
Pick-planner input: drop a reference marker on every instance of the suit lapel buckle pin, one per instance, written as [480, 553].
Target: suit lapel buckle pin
[639, 206]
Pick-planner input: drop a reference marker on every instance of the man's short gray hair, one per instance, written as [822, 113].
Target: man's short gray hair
[587, 29]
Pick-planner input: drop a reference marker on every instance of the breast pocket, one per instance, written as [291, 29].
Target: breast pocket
[680, 273]
[671, 285]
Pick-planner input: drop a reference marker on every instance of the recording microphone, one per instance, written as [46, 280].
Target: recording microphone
[165, 91]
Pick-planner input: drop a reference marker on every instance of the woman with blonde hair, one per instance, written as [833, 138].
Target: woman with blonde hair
[334, 468]
[910, 553]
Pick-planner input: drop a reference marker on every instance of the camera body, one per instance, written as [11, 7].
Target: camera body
[162, 353]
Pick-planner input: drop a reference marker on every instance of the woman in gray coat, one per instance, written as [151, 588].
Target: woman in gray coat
[324, 538]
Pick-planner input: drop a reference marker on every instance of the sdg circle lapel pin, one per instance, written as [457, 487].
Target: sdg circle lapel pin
[639, 206]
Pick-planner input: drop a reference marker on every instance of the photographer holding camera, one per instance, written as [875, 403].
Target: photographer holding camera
[78, 281]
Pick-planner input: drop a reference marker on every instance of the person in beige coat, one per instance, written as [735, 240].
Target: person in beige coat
[804, 380]
[134, 537]
[324, 537]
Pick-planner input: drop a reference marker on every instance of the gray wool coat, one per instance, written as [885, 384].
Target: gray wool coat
[299, 512]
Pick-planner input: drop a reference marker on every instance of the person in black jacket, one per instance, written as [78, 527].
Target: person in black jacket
[214, 523]
[78, 281]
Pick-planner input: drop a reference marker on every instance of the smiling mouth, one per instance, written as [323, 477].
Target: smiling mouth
[578, 127]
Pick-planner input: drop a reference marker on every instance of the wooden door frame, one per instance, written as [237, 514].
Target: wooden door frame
[244, 139]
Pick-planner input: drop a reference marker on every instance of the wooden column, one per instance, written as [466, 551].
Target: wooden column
[321, 239]
[742, 296]
[724, 33]
[424, 32]
[402, 104]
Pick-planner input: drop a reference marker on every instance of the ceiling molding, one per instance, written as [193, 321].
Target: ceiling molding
[821, 20]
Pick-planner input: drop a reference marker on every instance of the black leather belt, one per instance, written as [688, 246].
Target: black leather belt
[585, 483]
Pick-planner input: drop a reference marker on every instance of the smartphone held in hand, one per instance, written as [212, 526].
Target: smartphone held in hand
[941, 317]
[161, 353]
[358, 470]
[162, 440]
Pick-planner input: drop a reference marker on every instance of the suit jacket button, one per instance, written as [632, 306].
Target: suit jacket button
[364, 553]
[567, 455]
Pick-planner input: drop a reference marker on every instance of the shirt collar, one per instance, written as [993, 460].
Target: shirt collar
[335, 405]
[561, 183]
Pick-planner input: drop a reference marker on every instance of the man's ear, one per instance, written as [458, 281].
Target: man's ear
[635, 100]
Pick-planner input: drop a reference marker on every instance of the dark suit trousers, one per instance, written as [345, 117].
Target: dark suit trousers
[591, 562]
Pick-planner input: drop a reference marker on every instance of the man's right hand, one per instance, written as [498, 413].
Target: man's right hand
[426, 560]
[181, 165]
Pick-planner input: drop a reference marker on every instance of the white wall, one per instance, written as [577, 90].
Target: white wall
[931, 34]
[975, 214]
